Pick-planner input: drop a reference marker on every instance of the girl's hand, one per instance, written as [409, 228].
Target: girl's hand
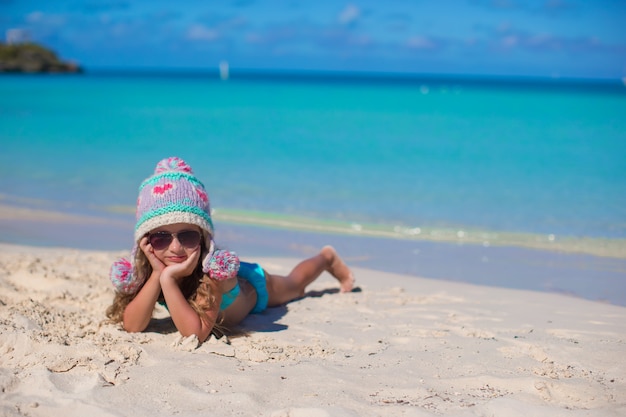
[146, 248]
[184, 269]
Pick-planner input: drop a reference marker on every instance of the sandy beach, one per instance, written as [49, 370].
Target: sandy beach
[398, 346]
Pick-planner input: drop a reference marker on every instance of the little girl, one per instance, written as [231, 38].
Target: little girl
[174, 262]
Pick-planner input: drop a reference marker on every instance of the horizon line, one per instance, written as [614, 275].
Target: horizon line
[614, 85]
[348, 73]
[357, 77]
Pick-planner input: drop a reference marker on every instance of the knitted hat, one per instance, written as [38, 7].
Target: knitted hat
[172, 195]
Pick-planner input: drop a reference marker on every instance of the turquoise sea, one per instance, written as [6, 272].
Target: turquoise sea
[392, 169]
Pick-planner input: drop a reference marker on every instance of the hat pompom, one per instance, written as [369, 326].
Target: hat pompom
[222, 265]
[173, 163]
[121, 275]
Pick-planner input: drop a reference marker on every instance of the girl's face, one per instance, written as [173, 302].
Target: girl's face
[172, 244]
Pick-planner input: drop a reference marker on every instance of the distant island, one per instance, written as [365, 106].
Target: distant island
[30, 57]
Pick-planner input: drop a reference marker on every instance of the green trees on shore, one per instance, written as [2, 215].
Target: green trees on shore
[32, 58]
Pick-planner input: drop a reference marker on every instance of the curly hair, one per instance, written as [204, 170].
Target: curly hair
[196, 286]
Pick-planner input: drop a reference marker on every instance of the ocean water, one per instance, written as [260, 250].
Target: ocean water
[535, 165]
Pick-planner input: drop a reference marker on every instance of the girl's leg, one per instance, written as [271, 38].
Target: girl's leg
[283, 289]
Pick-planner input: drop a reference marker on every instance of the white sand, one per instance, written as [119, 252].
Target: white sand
[403, 346]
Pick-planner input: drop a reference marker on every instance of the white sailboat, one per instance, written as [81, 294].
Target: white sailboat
[224, 71]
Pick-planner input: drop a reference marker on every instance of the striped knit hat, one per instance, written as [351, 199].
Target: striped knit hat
[172, 195]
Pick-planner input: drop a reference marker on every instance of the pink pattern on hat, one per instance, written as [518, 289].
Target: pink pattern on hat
[203, 195]
[163, 188]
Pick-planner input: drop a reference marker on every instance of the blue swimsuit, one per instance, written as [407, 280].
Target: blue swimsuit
[254, 274]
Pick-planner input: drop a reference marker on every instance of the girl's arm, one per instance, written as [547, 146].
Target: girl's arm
[185, 318]
[138, 312]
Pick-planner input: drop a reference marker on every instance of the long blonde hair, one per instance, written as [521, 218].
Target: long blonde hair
[196, 286]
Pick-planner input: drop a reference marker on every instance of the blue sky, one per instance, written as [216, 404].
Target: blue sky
[538, 38]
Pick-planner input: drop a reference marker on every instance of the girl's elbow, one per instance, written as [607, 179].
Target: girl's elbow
[202, 329]
[201, 334]
[203, 337]
[131, 327]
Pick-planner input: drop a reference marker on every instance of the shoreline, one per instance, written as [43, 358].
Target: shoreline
[611, 248]
[123, 215]
[425, 347]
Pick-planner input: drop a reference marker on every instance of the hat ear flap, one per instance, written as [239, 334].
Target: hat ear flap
[122, 276]
[221, 265]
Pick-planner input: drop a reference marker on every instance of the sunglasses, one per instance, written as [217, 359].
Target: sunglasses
[187, 238]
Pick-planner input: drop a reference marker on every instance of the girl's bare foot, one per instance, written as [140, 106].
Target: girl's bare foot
[338, 269]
